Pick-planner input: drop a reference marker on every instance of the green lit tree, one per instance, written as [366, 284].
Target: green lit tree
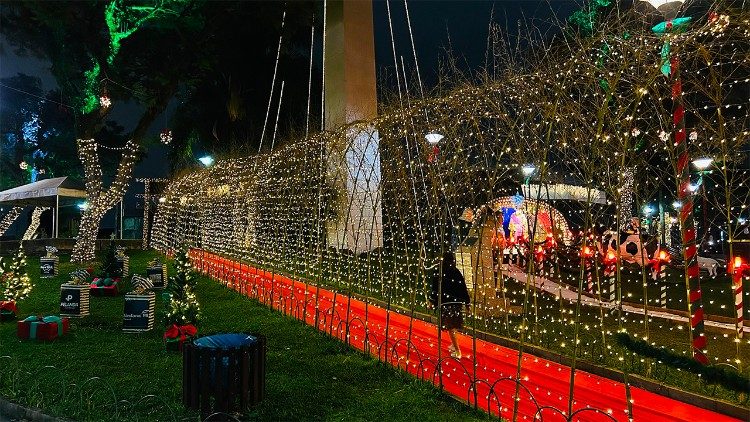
[15, 283]
[183, 307]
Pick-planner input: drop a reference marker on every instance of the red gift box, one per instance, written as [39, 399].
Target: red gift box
[102, 290]
[47, 328]
[8, 310]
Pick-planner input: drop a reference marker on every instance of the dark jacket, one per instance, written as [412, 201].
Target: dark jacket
[454, 287]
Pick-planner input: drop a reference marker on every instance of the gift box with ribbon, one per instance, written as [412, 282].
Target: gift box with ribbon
[8, 310]
[176, 335]
[102, 286]
[42, 328]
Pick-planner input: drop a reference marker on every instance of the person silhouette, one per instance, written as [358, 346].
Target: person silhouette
[449, 292]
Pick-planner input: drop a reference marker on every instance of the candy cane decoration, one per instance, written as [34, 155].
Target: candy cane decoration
[670, 67]
[738, 268]
[659, 273]
[610, 273]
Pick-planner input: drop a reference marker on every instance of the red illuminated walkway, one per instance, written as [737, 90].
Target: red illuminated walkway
[544, 387]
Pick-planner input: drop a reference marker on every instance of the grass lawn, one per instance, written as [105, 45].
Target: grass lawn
[98, 372]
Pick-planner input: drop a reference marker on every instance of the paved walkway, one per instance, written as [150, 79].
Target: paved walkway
[485, 368]
[571, 295]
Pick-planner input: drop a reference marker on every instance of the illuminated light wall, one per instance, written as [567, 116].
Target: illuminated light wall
[359, 227]
[274, 211]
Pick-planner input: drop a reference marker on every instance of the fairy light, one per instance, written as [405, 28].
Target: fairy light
[35, 221]
[100, 199]
[263, 210]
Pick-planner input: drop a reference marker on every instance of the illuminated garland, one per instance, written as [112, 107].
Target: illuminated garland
[726, 377]
[100, 199]
[35, 221]
[9, 218]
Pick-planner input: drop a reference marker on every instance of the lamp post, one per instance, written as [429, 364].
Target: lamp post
[703, 164]
[206, 160]
[433, 138]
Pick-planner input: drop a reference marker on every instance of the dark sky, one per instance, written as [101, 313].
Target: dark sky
[466, 22]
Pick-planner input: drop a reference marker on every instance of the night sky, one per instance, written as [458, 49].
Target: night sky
[466, 22]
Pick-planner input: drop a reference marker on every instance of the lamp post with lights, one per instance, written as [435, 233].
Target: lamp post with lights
[702, 165]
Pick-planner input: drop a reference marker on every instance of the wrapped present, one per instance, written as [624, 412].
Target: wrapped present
[102, 286]
[157, 272]
[139, 310]
[42, 328]
[74, 299]
[176, 335]
[8, 310]
[123, 261]
[49, 266]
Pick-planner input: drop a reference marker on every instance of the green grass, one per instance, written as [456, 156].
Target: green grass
[98, 372]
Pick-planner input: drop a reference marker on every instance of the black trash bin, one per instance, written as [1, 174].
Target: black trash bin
[224, 373]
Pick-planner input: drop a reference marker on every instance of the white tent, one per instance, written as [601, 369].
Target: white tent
[44, 193]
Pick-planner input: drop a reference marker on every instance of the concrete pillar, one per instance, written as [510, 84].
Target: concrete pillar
[351, 96]
[350, 92]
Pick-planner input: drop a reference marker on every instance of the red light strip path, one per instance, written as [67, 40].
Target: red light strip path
[544, 385]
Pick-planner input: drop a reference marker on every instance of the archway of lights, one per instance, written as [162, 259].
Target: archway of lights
[595, 116]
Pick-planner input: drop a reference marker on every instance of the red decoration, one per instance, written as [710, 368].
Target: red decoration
[178, 334]
[590, 389]
[112, 290]
[9, 306]
[44, 331]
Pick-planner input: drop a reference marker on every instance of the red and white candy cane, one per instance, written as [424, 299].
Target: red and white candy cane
[689, 250]
[738, 269]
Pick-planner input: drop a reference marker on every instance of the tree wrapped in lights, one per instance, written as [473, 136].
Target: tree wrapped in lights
[15, 283]
[183, 307]
[117, 45]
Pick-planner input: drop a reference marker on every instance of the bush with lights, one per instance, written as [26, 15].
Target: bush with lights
[182, 309]
[15, 285]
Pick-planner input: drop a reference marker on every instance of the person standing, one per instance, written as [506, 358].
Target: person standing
[453, 297]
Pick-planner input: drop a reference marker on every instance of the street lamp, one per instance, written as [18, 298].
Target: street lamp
[528, 170]
[668, 8]
[648, 210]
[677, 205]
[433, 138]
[206, 160]
[83, 206]
[701, 164]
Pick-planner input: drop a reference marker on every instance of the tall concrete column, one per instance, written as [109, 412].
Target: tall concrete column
[351, 96]
[350, 93]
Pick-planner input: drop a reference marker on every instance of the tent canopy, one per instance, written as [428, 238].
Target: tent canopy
[43, 192]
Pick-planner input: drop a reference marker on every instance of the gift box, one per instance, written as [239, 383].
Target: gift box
[105, 286]
[123, 262]
[158, 275]
[74, 300]
[42, 328]
[139, 310]
[49, 266]
[8, 310]
[177, 335]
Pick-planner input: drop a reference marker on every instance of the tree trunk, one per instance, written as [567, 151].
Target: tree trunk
[84, 249]
[100, 200]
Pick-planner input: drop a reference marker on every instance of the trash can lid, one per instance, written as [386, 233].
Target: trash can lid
[225, 341]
